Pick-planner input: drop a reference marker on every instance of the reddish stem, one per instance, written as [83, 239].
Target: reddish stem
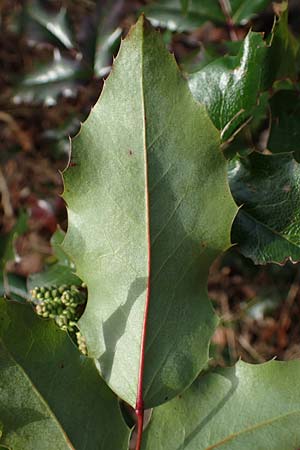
[139, 408]
[140, 423]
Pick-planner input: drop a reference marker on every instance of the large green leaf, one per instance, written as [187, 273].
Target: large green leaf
[245, 407]
[147, 180]
[51, 397]
[229, 87]
[169, 13]
[267, 228]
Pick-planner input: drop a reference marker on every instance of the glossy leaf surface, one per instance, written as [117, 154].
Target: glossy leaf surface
[229, 87]
[243, 407]
[267, 228]
[50, 395]
[148, 177]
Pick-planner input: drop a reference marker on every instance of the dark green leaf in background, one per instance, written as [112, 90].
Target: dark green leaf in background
[171, 14]
[244, 10]
[106, 46]
[94, 47]
[50, 80]
[41, 23]
[267, 228]
[285, 122]
[147, 138]
[51, 397]
[106, 35]
[244, 407]
[281, 62]
[185, 6]
[229, 87]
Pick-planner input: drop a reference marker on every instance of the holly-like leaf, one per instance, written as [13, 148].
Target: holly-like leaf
[49, 80]
[40, 23]
[50, 395]
[170, 14]
[242, 407]
[63, 75]
[268, 189]
[149, 176]
[229, 87]
[285, 125]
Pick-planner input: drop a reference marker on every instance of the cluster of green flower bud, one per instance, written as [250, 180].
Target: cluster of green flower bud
[64, 304]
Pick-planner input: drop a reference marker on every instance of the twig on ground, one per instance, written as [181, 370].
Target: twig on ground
[249, 349]
[22, 137]
[5, 197]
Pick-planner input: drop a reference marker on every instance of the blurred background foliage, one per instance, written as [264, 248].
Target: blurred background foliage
[54, 57]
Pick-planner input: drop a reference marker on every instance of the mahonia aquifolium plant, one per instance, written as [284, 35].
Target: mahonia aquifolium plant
[65, 305]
